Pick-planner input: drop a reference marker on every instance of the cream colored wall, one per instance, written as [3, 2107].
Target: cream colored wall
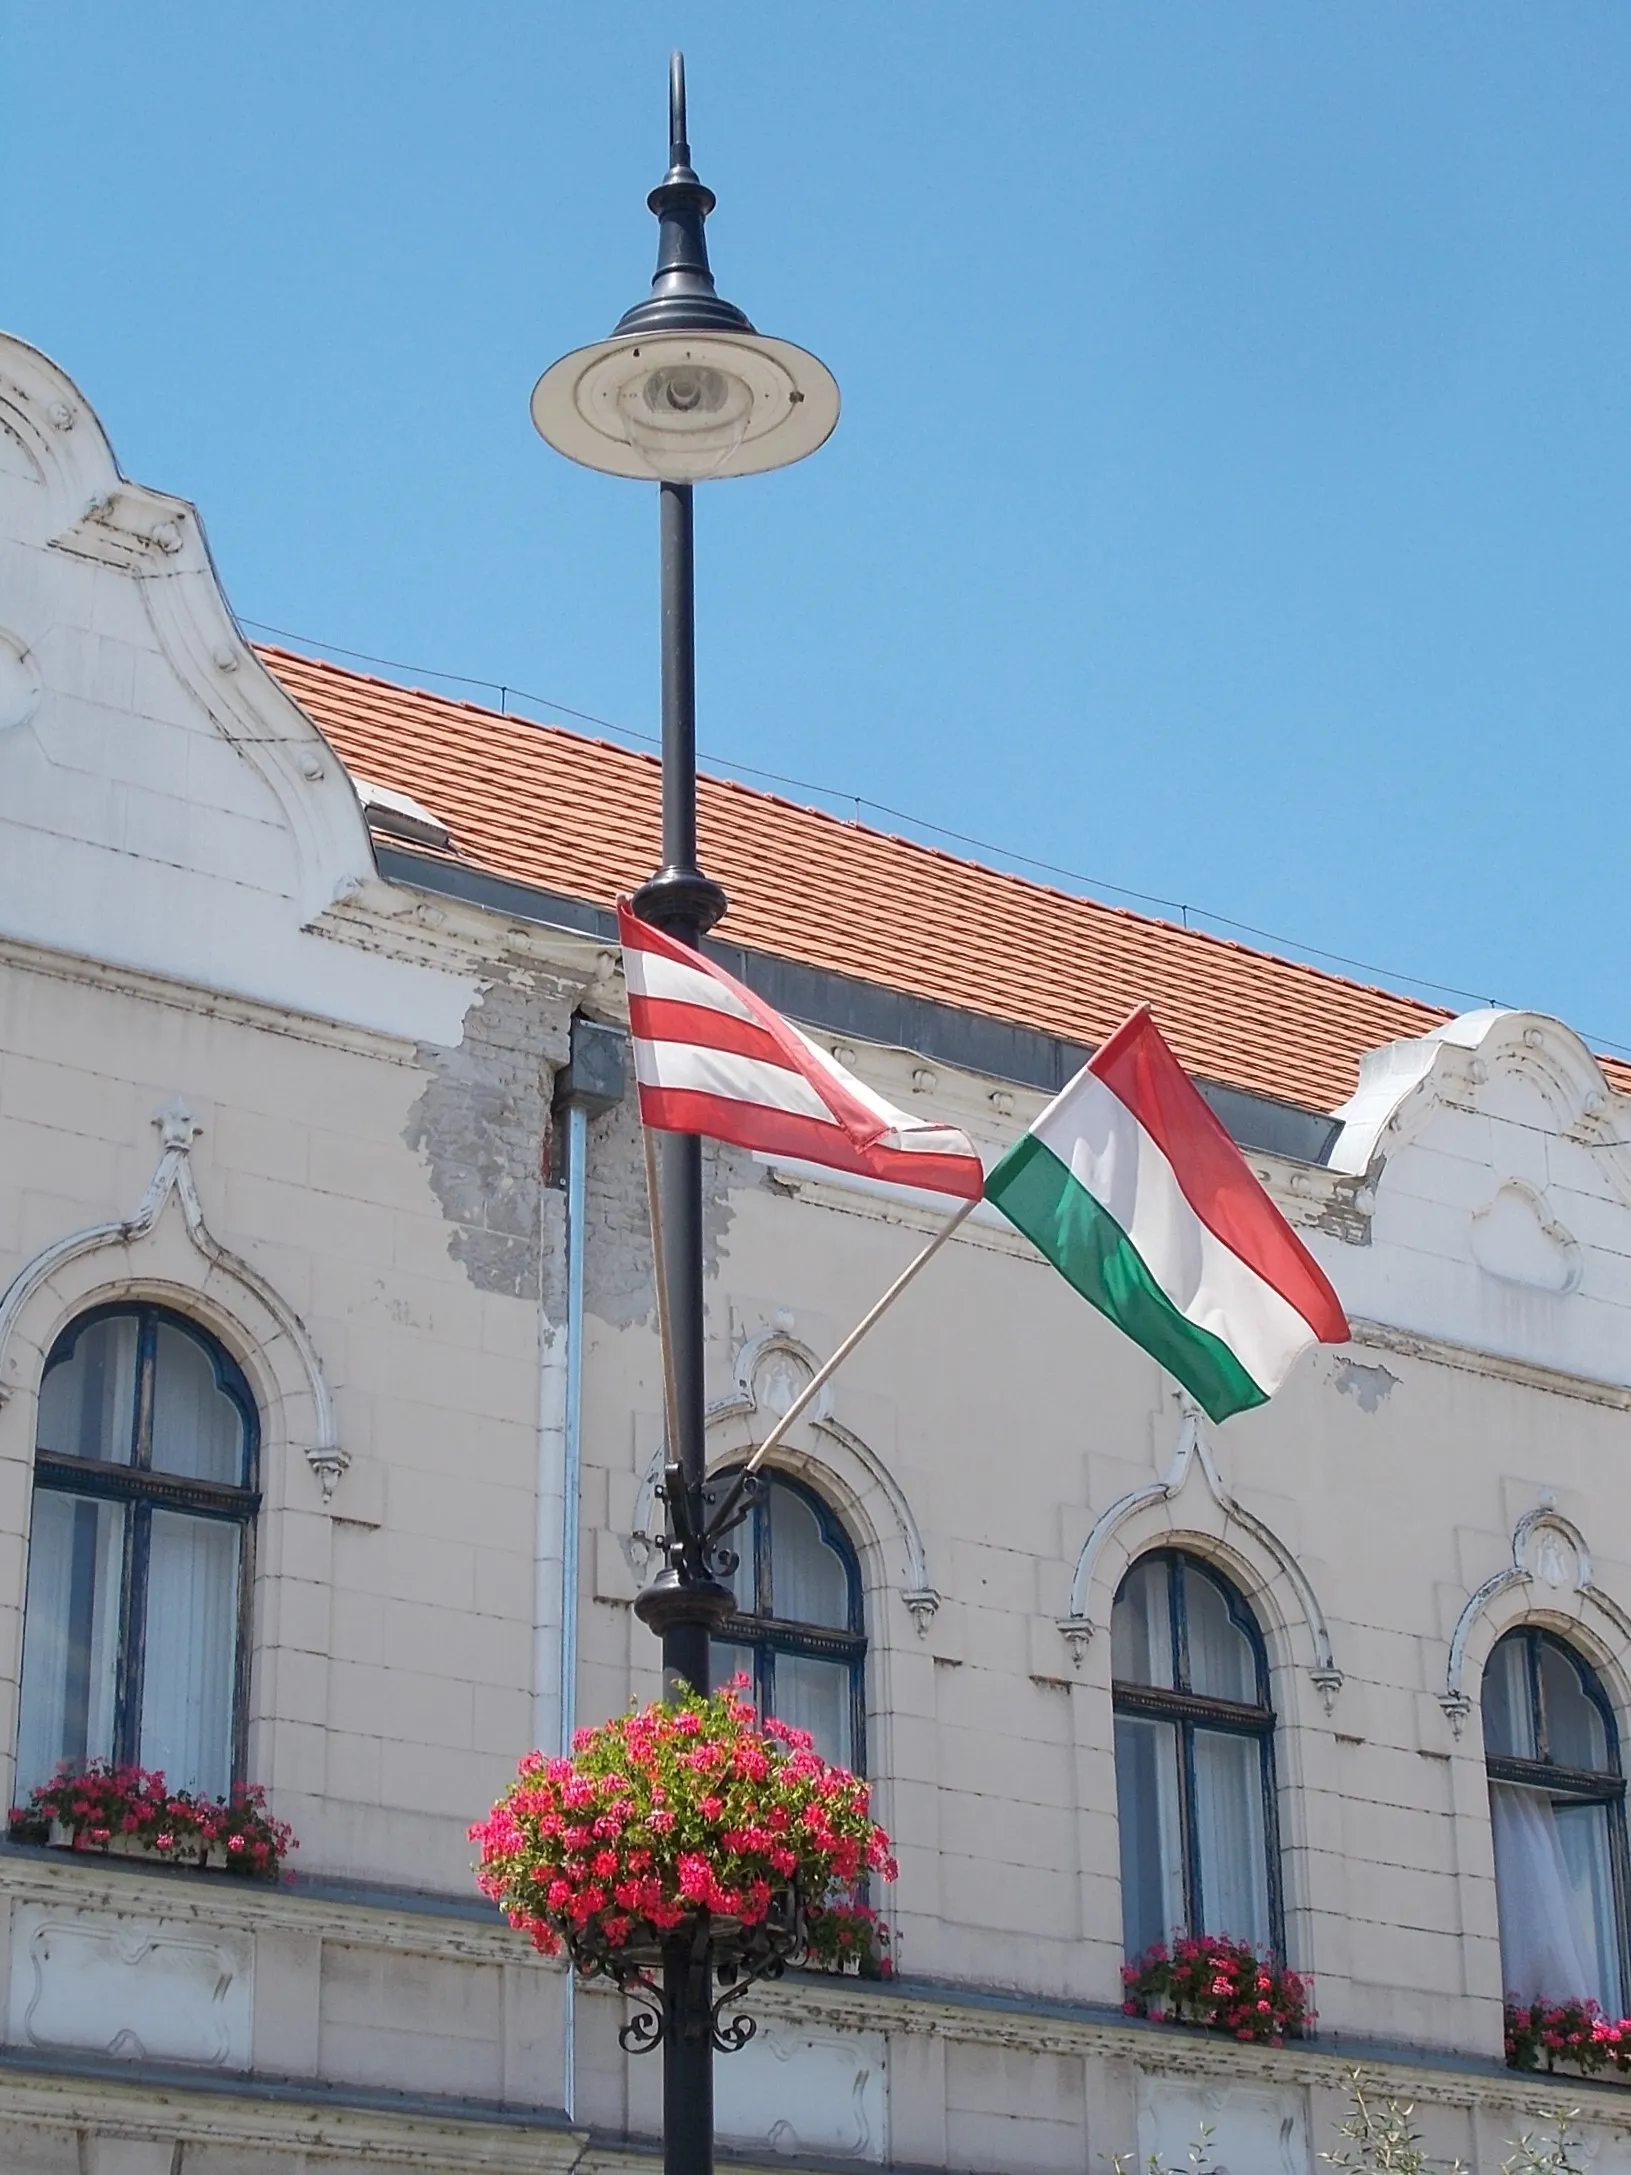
[392, 1680]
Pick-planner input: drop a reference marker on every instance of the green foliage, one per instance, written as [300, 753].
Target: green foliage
[1197, 2161]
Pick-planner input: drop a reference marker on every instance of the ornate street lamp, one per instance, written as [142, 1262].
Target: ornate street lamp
[685, 391]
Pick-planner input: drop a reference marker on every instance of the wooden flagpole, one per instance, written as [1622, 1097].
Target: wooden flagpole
[665, 1332]
[830, 1367]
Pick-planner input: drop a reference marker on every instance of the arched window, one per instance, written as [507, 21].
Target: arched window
[1557, 1809]
[139, 1562]
[799, 1631]
[1194, 1758]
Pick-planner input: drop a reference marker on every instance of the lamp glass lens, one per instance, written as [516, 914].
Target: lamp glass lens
[684, 418]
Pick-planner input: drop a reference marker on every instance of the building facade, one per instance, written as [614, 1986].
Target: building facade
[324, 1263]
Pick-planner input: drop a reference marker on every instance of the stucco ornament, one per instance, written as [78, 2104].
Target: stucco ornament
[1463, 1065]
[1194, 1453]
[1517, 1238]
[1551, 1570]
[173, 1180]
[770, 1369]
[19, 682]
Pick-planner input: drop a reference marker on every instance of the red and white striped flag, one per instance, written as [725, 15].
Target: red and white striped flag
[712, 1058]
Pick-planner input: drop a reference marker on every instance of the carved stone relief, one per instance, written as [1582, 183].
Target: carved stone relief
[136, 1989]
[803, 2090]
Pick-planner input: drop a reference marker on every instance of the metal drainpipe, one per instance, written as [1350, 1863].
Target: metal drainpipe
[577, 1149]
[590, 1083]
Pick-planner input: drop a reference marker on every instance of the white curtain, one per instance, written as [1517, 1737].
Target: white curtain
[815, 1695]
[1233, 1847]
[1554, 1898]
[191, 1656]
[1222, 1664]
[70, 1635]
[197, 1429]
[808, 1581]
[88, 1403]
[1141, 1628]
[1152, 1859]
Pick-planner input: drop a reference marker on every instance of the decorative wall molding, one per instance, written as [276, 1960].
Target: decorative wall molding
[770, 1369]
[1194, 1452]
[92, 512]
[173, 1178]
[1471, 1359]
[1550, 1549]
[1403, 1083]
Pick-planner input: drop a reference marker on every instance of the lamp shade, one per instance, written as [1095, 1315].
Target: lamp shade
[686, 406]
[685, 389]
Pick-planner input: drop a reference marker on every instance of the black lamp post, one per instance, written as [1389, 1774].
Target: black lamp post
[685, 390]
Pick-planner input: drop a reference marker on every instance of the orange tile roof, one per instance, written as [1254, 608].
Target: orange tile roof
[579, 817]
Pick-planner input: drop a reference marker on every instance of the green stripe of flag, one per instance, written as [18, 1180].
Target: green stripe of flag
[1089, 1248]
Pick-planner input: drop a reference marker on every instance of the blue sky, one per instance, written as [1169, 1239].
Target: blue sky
[1230, 501]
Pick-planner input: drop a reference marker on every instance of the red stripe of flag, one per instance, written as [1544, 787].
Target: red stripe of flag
[670, 1019]
[1215, 1179]
[863, 1126]
[811, 1140]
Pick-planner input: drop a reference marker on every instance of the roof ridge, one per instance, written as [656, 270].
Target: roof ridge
[853, 825]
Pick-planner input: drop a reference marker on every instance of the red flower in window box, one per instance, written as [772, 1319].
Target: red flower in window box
[1541, 2034]
[1225, 1985]
[132, 1812]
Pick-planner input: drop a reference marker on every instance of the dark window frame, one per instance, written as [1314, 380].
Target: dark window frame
[142, 1491]
[1574, 1785]
[765, 1634]
[1188, 1710]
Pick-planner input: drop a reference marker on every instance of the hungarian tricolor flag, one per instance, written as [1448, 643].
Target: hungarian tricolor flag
[1136, 1194]
[711, 1057]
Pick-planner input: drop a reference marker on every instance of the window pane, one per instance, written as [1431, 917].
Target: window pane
[88, 1401]
[71, 1635]
[725, 1660]
[1509, 1722]
[1222, 1664]
[1152, 1875]
[1234, 1895]
[815, 1695]
[1582, 1834]
[192, 1651]
[198, 1431]
[1552, 1898]
[1141, 1628]
[1575, 1736]
[809, 1582]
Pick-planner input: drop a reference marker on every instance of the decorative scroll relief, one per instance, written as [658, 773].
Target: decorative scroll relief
[137, 1989]
[1254, 2132]
[804, 2090]
[1517, 1239]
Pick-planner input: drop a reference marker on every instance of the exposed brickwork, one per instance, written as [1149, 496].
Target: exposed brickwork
[483, 1120]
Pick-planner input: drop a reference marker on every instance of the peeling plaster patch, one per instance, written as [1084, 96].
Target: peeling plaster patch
[481, 1123]
[1370, 1386]
[617, 1280]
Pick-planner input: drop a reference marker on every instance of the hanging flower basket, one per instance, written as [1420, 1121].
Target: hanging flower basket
[128, 1812]
[677, 1827]
[1541, 2034]
[1221, 1984]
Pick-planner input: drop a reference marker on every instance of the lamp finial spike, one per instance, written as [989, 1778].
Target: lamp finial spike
[679, 149]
